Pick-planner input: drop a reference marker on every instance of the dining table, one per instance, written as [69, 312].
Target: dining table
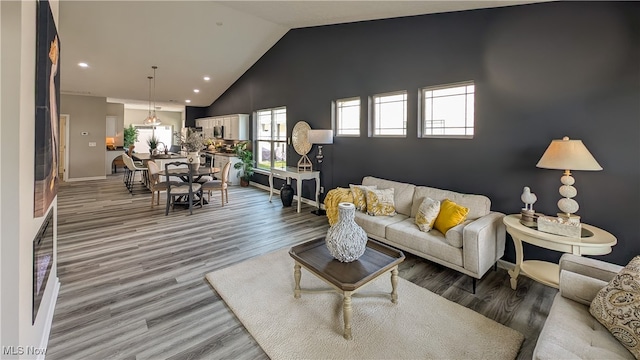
[183, 172]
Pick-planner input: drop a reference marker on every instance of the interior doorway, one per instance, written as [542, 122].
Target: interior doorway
[63, 156]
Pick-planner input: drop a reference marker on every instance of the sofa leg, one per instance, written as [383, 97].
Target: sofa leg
[474, 285]
[495, 266]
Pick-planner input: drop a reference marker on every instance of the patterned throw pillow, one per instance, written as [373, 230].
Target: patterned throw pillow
[360, 195]
[427, 214]
[380, 202]
[451, 214]
[617, 306]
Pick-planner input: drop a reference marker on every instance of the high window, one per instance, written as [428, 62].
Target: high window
[448, 110]
[389, 114]
[271, 135]
[347, 117]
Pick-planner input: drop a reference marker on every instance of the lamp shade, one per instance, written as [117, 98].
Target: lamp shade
[568, 154]
[320, 136]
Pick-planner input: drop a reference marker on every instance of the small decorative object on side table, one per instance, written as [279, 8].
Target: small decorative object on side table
[528, 214]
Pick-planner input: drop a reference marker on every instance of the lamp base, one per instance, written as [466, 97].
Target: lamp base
[319, 212]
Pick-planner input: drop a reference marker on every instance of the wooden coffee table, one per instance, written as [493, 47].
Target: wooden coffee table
[346, 278]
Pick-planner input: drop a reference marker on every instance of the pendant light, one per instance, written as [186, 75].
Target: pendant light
[149, 118]
[152, 119]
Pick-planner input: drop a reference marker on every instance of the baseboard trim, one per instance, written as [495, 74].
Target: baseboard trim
[87, 178]
[505, 264]
[47, 330]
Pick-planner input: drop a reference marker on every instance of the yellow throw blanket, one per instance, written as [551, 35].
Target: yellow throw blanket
[331, 201]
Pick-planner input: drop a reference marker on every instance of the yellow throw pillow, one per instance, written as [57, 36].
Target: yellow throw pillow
[360, 195]
[380, 202]
[451, 214]
[427, 214]
[331, 201]
[616, 306]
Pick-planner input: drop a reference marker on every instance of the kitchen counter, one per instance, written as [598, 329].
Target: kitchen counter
[232, 154]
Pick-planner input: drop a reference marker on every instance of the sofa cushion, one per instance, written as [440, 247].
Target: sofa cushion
[453, 237]
[360, 195]
[451, 214]
[402, 196]
[479, 205]
[433, 243]
[617, 306]
[570, 332]
[427, 214]
[376, 225]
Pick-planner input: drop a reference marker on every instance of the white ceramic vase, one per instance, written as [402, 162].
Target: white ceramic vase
[194, 158]
[346, 240]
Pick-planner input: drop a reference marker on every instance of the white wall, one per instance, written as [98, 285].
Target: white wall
[18, 227]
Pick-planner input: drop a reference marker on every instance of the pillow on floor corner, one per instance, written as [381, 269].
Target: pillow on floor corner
[617, 306]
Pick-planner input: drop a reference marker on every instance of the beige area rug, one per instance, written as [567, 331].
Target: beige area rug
[422, 325]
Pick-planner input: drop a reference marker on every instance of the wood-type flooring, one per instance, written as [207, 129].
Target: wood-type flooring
[133, 286]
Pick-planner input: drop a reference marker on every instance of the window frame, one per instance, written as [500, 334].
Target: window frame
[372, 114]
[423, 108]
[335, 120]
[273, 139]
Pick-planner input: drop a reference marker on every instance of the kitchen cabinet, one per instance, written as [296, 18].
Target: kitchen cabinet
[235, 126]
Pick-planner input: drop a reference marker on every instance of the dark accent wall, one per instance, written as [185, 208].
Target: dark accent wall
[542, 71]
[192, 113]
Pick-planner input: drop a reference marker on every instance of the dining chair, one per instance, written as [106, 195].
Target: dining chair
[130, 174]
[221, 185]
[182, 192]
[155, 185]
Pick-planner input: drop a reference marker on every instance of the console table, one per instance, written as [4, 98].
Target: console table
[544, 272]
[292, 172]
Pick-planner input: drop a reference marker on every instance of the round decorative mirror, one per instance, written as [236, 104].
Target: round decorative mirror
[300, 138]
[301, 144]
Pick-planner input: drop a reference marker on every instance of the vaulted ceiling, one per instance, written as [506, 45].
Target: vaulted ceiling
[188, 40]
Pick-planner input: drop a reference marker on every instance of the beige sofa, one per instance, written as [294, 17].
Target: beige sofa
[570, 331]
[472, 247]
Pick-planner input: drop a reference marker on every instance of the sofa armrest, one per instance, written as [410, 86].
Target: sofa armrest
[581, 278]
[483, 243]
[589, 267]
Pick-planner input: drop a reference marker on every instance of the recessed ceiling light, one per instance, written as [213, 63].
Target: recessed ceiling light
[83, 65]
[187, 101]
[206, 78]
[196, 91]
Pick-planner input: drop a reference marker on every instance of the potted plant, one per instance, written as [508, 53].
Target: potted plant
[192, 142]
[153, 144]
[245, 164]
[130, 136]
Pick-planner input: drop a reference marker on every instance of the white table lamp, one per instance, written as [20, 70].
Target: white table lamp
[320, 137]
[568, 155]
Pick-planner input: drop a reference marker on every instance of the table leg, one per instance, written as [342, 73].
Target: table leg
[394, 285]
[318, 191]
[299, 187]
[270, 185]
[296, 275]
[346, 314]
[519, 258]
